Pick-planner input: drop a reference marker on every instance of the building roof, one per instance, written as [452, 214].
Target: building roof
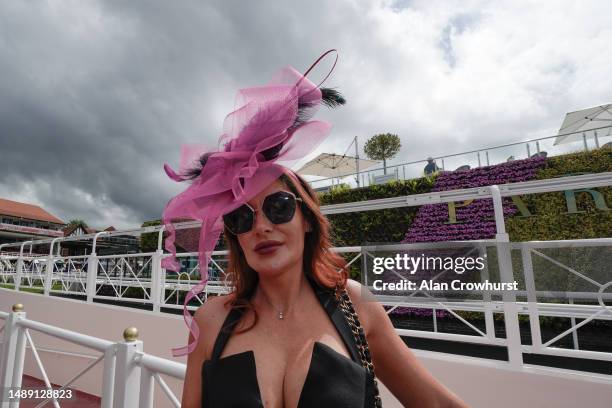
[87, 230]
[71, 228]
[28, 211]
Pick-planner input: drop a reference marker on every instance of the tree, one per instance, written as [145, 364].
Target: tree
[382, 147]
[148, 241]
[78, 222]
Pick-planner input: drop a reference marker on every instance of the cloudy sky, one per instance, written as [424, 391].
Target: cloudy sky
[96, 95]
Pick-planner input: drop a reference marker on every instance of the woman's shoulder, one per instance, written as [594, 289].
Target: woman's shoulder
[358, 293]
[210, 317]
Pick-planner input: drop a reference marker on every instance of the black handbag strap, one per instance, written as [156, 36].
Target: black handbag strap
[346, 305]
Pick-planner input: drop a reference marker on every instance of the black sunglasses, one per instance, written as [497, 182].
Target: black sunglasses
[278, 207]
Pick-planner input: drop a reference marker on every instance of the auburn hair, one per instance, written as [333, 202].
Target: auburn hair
[327, 268]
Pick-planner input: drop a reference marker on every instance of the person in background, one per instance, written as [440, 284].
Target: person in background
[430, 167]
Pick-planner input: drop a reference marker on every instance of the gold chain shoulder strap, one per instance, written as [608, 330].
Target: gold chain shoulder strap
[360, 339]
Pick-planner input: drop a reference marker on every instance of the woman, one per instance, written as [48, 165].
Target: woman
[294, 331]
[268, 359]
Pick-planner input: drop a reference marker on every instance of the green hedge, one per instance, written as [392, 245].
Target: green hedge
[148, 241]
[550, 220]
[359, 228]
[388, 225]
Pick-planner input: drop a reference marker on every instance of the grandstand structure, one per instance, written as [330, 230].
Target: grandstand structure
[21, 221]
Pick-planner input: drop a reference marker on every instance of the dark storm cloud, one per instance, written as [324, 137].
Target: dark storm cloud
[96, 96]
[101, 95]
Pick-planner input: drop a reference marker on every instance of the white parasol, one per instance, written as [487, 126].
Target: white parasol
[334, 165]
[586, 123]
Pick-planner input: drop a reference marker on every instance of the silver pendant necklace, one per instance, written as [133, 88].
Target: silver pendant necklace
[280, 312]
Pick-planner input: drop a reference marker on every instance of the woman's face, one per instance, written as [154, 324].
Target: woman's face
[287, 240]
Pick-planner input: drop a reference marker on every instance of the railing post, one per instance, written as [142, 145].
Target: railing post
[92, 276]
[532, 299]
[92, 268]
[19, 267]
[48, 284]
[13, 353]
[528, 150]
[156, 272]
[108, 376]
[48, 276]
[18, 271]
[486, 296]
[513, 333]
[127, 370]
[575, 331]
[20, 349]
[435, 320]
[147, 386]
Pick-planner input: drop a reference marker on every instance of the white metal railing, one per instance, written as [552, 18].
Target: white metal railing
[475, 158]
[590, 312]
[32, 271]
[122, 272]
[8, 269]
[69, 274]
[175, 285]
[537, 304]
[129, 374]
[126, 368]
[539, 301]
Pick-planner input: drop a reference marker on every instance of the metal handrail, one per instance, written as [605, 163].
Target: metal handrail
[68, 335]
[123, 363]
[485, 149]
[162, 366]
[575, 310]
[136, 255]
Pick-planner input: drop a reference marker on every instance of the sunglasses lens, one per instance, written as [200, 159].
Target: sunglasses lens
[279, 207]
[240, 220]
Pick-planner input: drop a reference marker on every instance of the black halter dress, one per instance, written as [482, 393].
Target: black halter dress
[333, 380]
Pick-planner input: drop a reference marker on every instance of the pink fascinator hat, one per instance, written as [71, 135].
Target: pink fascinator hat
[270, 129]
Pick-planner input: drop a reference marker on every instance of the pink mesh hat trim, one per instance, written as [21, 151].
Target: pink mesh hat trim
[237, 172]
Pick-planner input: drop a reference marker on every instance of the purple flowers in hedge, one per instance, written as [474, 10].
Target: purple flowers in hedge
[474, 220]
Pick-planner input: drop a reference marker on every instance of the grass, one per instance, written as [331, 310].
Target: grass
[38, 290]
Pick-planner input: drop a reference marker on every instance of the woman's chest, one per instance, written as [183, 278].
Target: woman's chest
[284, 361]
[331, 379]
